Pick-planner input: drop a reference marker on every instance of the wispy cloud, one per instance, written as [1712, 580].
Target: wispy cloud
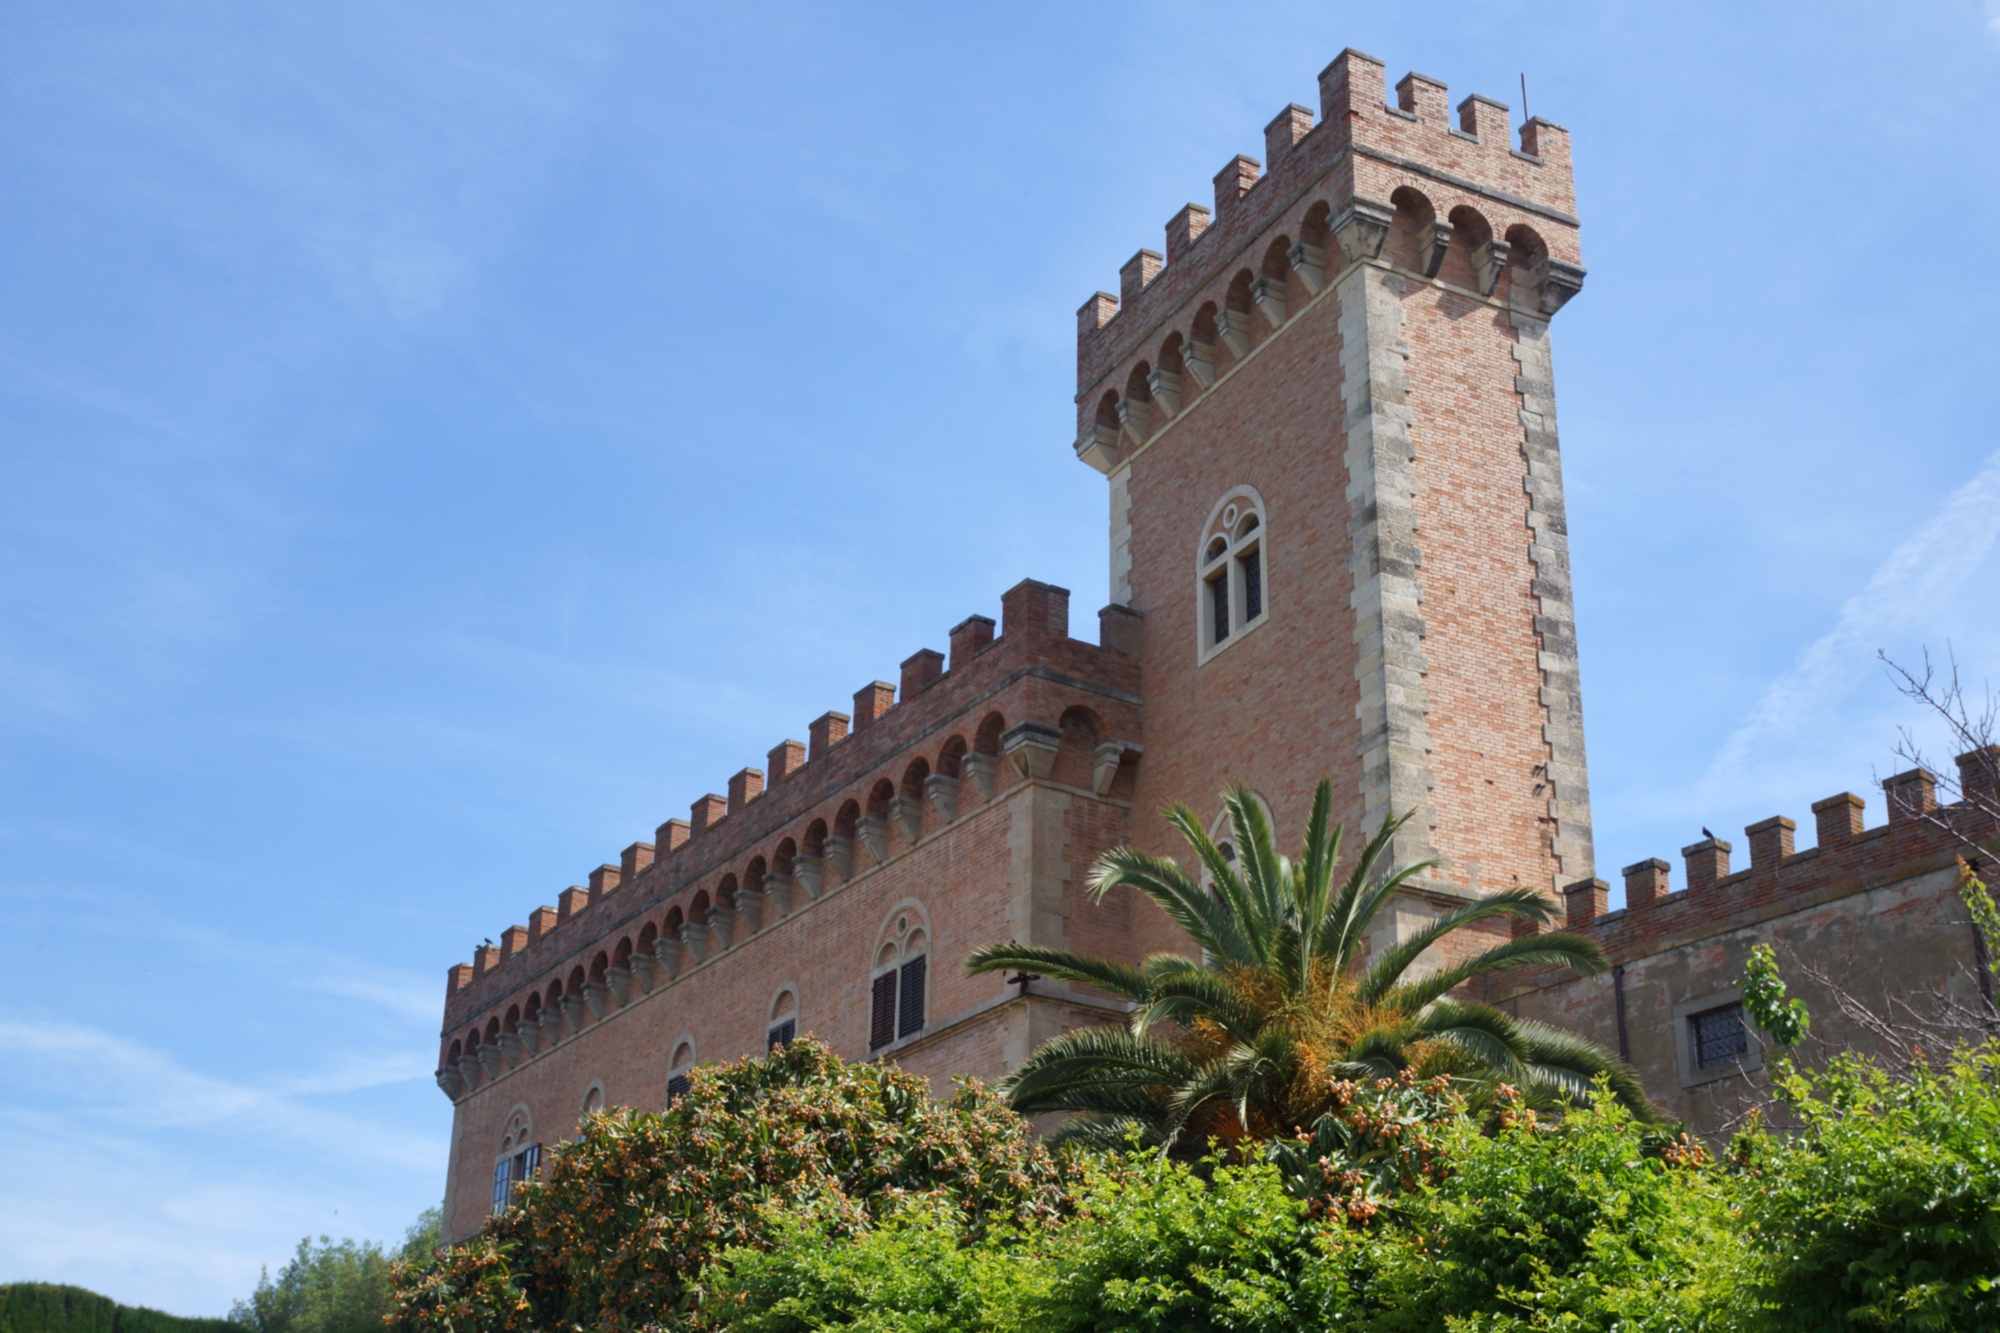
[1912, 589]
[136, 1089]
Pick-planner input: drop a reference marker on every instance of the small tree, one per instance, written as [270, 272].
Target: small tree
[1252, 1039]
[615, 1233]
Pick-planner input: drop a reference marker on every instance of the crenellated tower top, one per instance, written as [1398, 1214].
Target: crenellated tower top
[1329, 191]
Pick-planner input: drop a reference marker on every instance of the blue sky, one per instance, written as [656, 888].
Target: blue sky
[439, 442]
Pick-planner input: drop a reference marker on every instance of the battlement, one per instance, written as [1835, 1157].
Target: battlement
[910, 760]
[1921, 836]
[1446, 197]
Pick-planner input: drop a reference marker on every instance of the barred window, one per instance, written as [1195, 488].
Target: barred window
[897, 992]
[1718, 1036]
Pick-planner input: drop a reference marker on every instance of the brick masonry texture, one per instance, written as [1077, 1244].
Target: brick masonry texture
[1354, 342]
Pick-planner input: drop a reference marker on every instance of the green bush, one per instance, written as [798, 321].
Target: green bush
[616, 1232]
[1593, 1222]
[1153, 1243]
[43, 1307]
[1884, 1211]
[333, 1286]
[795, 1193]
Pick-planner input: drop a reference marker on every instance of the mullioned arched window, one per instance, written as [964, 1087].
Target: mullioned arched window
[1232, 571]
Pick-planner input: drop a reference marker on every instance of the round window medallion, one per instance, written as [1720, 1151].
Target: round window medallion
[1229, 516]
[902, 925]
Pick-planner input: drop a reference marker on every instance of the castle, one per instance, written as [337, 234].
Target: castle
[1326, 417]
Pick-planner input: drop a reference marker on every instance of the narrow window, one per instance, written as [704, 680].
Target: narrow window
[1230, 596]
[500, 1183]
[1718, 1036]
[882, 1018]
[781, 1034]
[677, 1088]
[910, 1016]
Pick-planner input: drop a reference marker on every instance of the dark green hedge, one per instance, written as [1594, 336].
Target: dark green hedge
[44, 1307]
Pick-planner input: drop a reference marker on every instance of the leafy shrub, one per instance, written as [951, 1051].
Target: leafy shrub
[334, 1286]
[1884, 1211]
[617, 1230]
[1593, 1222]
[46, 1307]
[1154, 1243]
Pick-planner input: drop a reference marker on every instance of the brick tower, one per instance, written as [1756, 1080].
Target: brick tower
[1328, 422]
[1337, 545]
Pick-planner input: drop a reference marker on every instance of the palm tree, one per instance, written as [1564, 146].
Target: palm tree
[1248, 1040]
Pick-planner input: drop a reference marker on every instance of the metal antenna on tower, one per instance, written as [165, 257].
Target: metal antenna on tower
[1524, 97]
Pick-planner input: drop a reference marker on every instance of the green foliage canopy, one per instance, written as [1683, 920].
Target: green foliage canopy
[333, 1286]
[46, 1307]
[616, 1232]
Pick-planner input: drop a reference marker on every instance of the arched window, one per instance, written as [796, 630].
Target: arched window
[677, 1072]
[784, 1020]
[520, 1158]
[1232, 571]
[897, 981]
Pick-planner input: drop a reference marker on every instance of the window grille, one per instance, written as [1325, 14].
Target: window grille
[781, 1034]
[1719, 1037]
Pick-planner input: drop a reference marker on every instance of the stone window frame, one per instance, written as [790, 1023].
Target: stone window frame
[781, 1021]
[1231, 523]
[893, 953]
[1684, 1013]
[520, 1157]
[677, 1068]
[595, 1088]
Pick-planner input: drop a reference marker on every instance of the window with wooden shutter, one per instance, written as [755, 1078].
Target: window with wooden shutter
[910, 1009]
[882, 1018]
[677, 1088]
[781, 1034]
[500, 1183]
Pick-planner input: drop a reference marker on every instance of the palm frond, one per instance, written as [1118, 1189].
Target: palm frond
[1386, 971]
[1193, 994]
[1110, 1059]
[1555, 1056]
[1120, 979]
[1485, 1034]
[1313, 880]
[1559, 947]
[1345, 926]
[1107, 1133]
[1377, 1053]
[1214, 1083]
[1211, 923]
[1263, 871]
